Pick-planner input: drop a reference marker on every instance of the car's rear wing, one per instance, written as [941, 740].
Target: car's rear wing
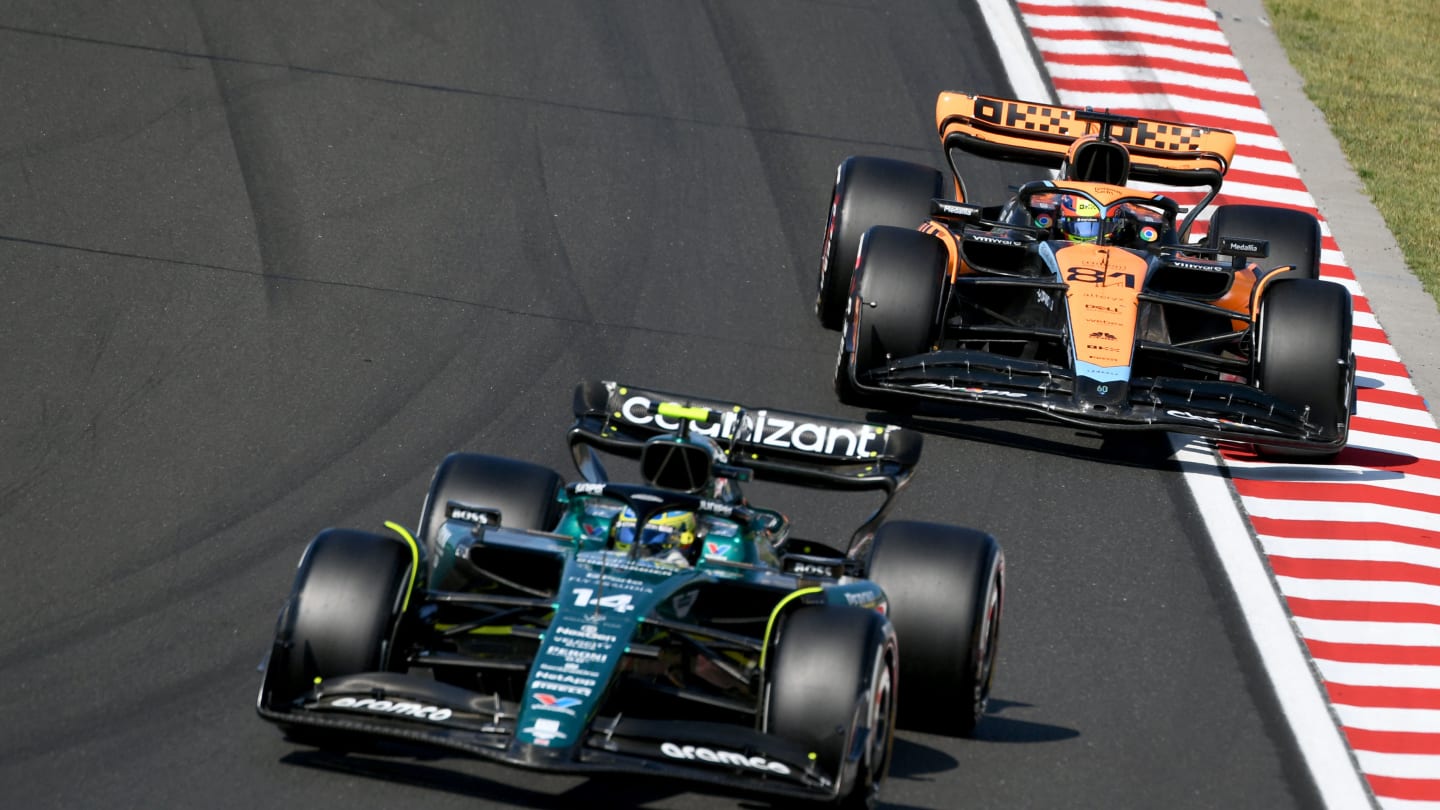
[763, 443]
[775, 445]
[1040, 134]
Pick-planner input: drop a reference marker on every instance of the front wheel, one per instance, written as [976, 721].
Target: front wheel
[833, 679]
[1303, 357]
[342, 615]
[899, 290]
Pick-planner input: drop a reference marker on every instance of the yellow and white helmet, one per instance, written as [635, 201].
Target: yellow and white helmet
[674, 529]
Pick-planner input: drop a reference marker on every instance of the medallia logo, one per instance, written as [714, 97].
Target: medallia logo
[551, 703]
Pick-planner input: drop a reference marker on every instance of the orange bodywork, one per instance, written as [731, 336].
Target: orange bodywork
[1103, 300]
[1103, 311]
[952, 247]
[1104, 193]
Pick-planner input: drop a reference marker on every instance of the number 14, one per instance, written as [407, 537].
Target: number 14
[620, 602]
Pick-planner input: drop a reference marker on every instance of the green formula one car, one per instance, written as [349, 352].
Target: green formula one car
[668, 628]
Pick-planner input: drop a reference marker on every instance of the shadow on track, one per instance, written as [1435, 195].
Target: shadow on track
[425, 769]
[1010, 730]
[1149, 449]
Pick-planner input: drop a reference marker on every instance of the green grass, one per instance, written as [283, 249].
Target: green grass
[1373, 69]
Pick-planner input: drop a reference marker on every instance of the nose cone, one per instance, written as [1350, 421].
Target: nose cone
[553, 755]
[1102, 396]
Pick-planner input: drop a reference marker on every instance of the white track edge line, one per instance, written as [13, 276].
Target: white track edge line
[1314, 726]
[1296, 684]
[1008, 33]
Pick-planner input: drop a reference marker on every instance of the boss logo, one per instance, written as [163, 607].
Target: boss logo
[472, 514]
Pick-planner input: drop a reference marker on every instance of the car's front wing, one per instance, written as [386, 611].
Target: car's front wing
[420, 710]
[1230, 411]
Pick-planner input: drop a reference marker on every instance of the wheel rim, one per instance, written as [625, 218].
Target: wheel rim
[882, 717]
[880, 713]
[985, 653]
[825, 253]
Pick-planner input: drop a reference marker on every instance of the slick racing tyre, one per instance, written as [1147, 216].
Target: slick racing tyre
[945, 587]
[1303, 357]
[1294, 236]
[526, 495]
[342, 615]
[868, 191]
[833, 677]
[900, 283]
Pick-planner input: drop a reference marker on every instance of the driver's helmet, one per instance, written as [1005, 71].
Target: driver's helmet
[1079, 218]
[673, 530]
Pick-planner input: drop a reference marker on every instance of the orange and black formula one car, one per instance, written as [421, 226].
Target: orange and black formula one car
[1080, 297]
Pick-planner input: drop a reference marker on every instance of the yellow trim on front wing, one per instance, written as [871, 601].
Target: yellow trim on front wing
[487, 630]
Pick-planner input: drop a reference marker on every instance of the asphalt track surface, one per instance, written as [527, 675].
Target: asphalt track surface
[263, 264]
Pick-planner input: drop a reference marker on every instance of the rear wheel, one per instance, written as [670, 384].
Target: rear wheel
[945, 587]
[833, 677]
[1294, 236]
[1303, 356]
[342, 616]
[868, 191]
[526, 495]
